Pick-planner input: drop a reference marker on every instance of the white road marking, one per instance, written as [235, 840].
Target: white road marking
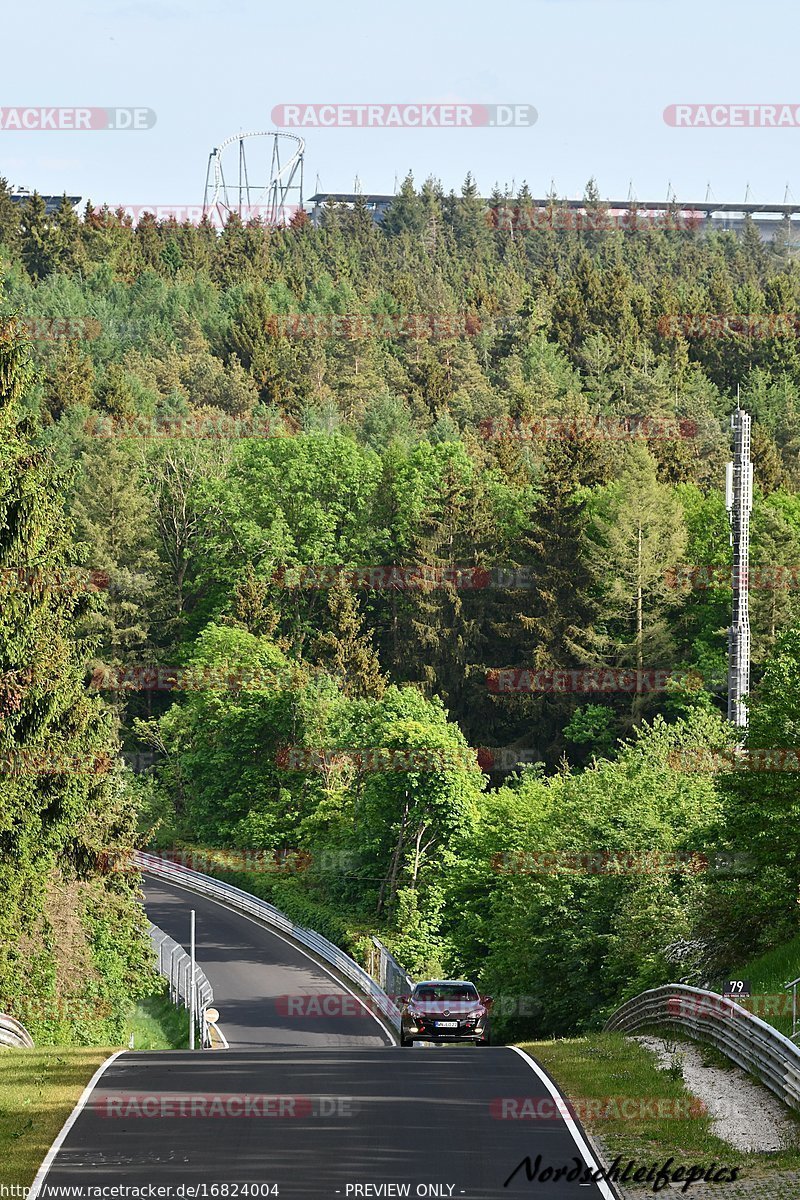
[577, 1136]
[213, 1025]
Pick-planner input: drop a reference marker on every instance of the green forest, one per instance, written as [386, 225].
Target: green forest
[210, 440]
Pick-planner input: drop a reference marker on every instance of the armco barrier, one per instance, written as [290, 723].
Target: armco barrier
[745, 1039]
[391, 976]
[237, 899]
[13, 1033]
[175, 965]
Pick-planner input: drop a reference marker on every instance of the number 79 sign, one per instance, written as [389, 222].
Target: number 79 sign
[736, 989]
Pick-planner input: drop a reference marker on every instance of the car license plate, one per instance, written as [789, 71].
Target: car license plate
[447, 1024]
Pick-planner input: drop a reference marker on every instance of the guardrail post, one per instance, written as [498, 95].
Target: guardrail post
[193, 992]
[159, 942]
[174, 974]
[793, 986]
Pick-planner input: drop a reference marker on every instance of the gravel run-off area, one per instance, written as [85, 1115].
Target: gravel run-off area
[744, 1114]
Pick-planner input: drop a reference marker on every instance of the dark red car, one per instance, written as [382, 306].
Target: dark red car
[445, 1010]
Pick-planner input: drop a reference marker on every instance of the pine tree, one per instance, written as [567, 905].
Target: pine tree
[114, 517]
[406, 213]
[473, 233]
[441, 627]
[69, 382]
[346, 648]
[171, 257]
[431, 197]
[639, 534]
[67, 237]
[767, 466]
[763, 805]
[547, 621]
[39, 249]
[252, 608]
[9, 221]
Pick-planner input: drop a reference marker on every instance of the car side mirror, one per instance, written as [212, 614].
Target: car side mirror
[488, 1001]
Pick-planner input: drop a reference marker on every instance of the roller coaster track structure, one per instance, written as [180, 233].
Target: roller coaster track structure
[271, 201]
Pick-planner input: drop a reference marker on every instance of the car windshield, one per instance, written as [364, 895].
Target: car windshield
[445, 991]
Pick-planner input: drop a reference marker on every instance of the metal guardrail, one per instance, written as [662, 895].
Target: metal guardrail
[14, 1033]
[795, 1017]
[242, 901]
[745, 1039]
[393, 978]
[176, 966]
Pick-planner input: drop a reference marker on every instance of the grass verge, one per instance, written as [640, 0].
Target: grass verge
[156, 1024]
[38, 1090]
[767, 975]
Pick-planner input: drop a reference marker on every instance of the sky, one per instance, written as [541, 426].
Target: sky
[599, 73]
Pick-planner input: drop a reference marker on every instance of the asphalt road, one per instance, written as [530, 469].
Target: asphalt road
[336, 1117]
[309, 1104]
[268, 992]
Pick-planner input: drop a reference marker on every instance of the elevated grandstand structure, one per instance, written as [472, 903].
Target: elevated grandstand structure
[768, 219]
[51, 203]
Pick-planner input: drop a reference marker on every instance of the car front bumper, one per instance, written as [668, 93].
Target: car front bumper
[429, 1033]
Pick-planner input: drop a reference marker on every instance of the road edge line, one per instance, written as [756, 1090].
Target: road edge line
[215, 1029]
[47, 1162]
[577, 1134]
